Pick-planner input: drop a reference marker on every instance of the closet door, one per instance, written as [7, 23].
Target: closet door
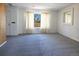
[2, 23]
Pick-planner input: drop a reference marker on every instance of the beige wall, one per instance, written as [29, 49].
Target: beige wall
[71, 31]
[53, 22]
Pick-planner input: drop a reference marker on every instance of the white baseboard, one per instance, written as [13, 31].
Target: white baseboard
[3, 43]
[73, 38]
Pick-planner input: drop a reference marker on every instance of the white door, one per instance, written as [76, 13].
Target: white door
[11, 21]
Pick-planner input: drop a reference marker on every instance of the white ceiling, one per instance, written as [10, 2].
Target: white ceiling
[53, 6]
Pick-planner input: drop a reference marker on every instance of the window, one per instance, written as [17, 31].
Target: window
[37, 20]
[68, 17]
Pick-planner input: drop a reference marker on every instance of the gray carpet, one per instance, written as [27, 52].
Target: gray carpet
[40, 45]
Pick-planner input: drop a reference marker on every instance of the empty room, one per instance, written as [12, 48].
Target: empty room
[39, 29]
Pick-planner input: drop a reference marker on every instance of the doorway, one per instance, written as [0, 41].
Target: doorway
[37, 23]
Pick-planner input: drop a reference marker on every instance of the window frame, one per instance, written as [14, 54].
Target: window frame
[71, 11]
[34, 19]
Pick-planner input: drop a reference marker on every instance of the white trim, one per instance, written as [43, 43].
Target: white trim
[73, 38]
[3, 43]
